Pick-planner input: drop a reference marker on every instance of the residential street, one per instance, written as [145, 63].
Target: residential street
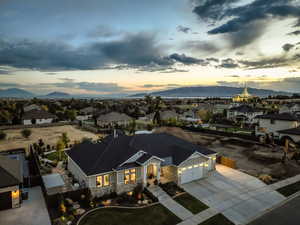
[288, 214]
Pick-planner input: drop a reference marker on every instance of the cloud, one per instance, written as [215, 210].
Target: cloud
[297, 32]
[243, 23]
[103, 31]
[136, 51]
[201, 46]
[160, 85]
[287, 47]
[183, 29]
[187, 60]
[228, 64]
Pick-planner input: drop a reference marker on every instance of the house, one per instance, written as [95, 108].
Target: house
[292, 134]
[244, 113]
[270, 124]
[31, 107]
[37, 117]
[10, 183]
[87, 111]
[289, 108]
[191, 116]
[113, 118]
[120, 162]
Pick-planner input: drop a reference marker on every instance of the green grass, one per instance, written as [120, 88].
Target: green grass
[153, 215]
[289, 189]
[190, 203]
[55, 156]
[218, 219]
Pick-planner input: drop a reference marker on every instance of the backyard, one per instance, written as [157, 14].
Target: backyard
[49, 134]
[153, 215]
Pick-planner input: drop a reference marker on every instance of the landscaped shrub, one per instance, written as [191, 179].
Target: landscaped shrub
[26, 133]
[171, 188]
[150, 195]
[2, 135]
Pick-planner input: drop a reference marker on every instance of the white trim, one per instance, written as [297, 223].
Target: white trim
[69, 158]
[153, 157]
[196, 152]
[139, 152]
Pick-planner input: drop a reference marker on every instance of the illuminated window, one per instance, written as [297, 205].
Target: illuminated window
[99, 181]
[106, 180]
[102, 181]
[183, 169]
[196, 165]
[130, 176]
[190, 167]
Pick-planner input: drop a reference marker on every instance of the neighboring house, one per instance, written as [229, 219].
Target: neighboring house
[289, 108]
[191, 116]
[220, 108]
[166, 115]
[37, 117]
[11, 179]
[31, 107]
[272, 123]
[244, 113]
[119, 163]
[84, 117]
[292, 134]
[87, 111]
[113, 118]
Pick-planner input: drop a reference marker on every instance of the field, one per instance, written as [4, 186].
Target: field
[50, 135]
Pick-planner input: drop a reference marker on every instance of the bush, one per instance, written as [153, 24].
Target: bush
[2, 135]
[26, 133]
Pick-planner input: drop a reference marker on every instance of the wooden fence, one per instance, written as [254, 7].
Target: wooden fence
[226, 162]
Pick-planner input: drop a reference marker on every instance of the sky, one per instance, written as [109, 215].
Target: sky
[106, 47]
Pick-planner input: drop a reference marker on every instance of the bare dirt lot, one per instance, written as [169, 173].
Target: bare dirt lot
[50, 135]
[242, 152]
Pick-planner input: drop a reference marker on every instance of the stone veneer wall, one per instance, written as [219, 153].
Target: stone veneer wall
[169, 173]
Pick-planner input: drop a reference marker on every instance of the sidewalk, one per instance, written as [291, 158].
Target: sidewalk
[169, 203]
[285, 182]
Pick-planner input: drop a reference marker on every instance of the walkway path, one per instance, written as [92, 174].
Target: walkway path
[285, 182]
[169, 203]
[200, 217]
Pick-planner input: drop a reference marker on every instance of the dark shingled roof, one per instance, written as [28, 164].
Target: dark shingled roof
[280, 116]
[95, 158]
[144, 158]
[295, 131]
[245, 109]
[10, 172]
[128, 166]
[37, 114]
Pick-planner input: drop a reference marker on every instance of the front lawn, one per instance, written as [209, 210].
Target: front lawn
[218, 219]
[190, 203]
[289, 189]
[153, 215]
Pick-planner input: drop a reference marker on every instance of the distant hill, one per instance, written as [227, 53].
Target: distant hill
[57, 94]
[15, 93]
[211, 91]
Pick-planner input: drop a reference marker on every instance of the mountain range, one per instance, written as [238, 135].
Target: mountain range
[198, 91]
[211, 91]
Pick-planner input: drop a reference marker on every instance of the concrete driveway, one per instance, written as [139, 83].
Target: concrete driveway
[32, 211]
[239, 196]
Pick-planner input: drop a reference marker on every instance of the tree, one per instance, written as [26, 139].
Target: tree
[2, 135]
[132, 127]
[26, 133]
[65, 139]
[59, 147]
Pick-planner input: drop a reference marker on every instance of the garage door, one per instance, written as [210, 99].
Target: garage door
[191, 173]
[5, 200]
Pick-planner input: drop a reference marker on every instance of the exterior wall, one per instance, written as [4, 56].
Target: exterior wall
[231, 115]
[121, 187]
[295, 138]
[99, 191]
[169, 173]
[38, 121]
[76, 171]
[16, 202]
[265, 126]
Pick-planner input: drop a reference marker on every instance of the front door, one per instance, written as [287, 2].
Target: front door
[152, 170]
